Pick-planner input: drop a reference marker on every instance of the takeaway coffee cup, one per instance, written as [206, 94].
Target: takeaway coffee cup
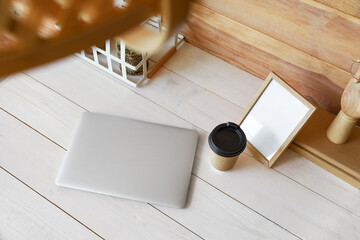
[227, 141]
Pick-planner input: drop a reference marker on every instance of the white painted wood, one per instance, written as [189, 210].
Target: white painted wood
[239, 87]
[216, 216]
[41, 101]
[107, 95]
[36, 161]
[204, 223]
[186, 97]
[189, 101]
[270, 193]
[296, 208]
[214, 74]
[24, 214]
[319, 180]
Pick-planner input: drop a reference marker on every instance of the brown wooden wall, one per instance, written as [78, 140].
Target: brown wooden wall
[309, 44]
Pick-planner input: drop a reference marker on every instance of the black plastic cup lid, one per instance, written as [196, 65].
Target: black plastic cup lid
[227, 140]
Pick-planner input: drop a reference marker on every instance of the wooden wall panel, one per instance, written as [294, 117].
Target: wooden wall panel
[351, 7]
[312, 27]
[259, 54]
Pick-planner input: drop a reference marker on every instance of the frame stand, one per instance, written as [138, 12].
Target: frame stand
[343, 160]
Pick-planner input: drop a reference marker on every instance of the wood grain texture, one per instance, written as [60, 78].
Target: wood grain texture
[166, 89]
[12, 88]
[351, 7]
[204, 71]
[353, 181]
[340, 129]
[345, 157]
[230, 216]
[159, 64]
[328, 185]
[211, 73]
[350, 100]
[27, 215]
[269, 192]
[311, 27]
[260, 54]
[206, 197]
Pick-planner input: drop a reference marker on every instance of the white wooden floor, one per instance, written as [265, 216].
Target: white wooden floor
[40, 109]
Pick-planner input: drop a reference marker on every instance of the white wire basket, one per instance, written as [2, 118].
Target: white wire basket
[107, 58]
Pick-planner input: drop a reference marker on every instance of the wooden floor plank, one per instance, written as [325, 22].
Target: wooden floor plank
[30, 101]
[26, 215]
[217, 216]
[195, 217]
[319, 180]
[287, 203]
[291, 164]
[214, 74]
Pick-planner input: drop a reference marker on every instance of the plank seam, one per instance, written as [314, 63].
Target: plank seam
[52, 203]
[55, 91]
[316, 192]
[209, 90]
[176, 221]
[249, 208]
[32, 128]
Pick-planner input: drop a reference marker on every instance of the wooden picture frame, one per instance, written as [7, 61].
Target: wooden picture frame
[303, 112]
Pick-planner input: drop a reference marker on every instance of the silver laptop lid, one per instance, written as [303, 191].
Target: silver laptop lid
[131, 159]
